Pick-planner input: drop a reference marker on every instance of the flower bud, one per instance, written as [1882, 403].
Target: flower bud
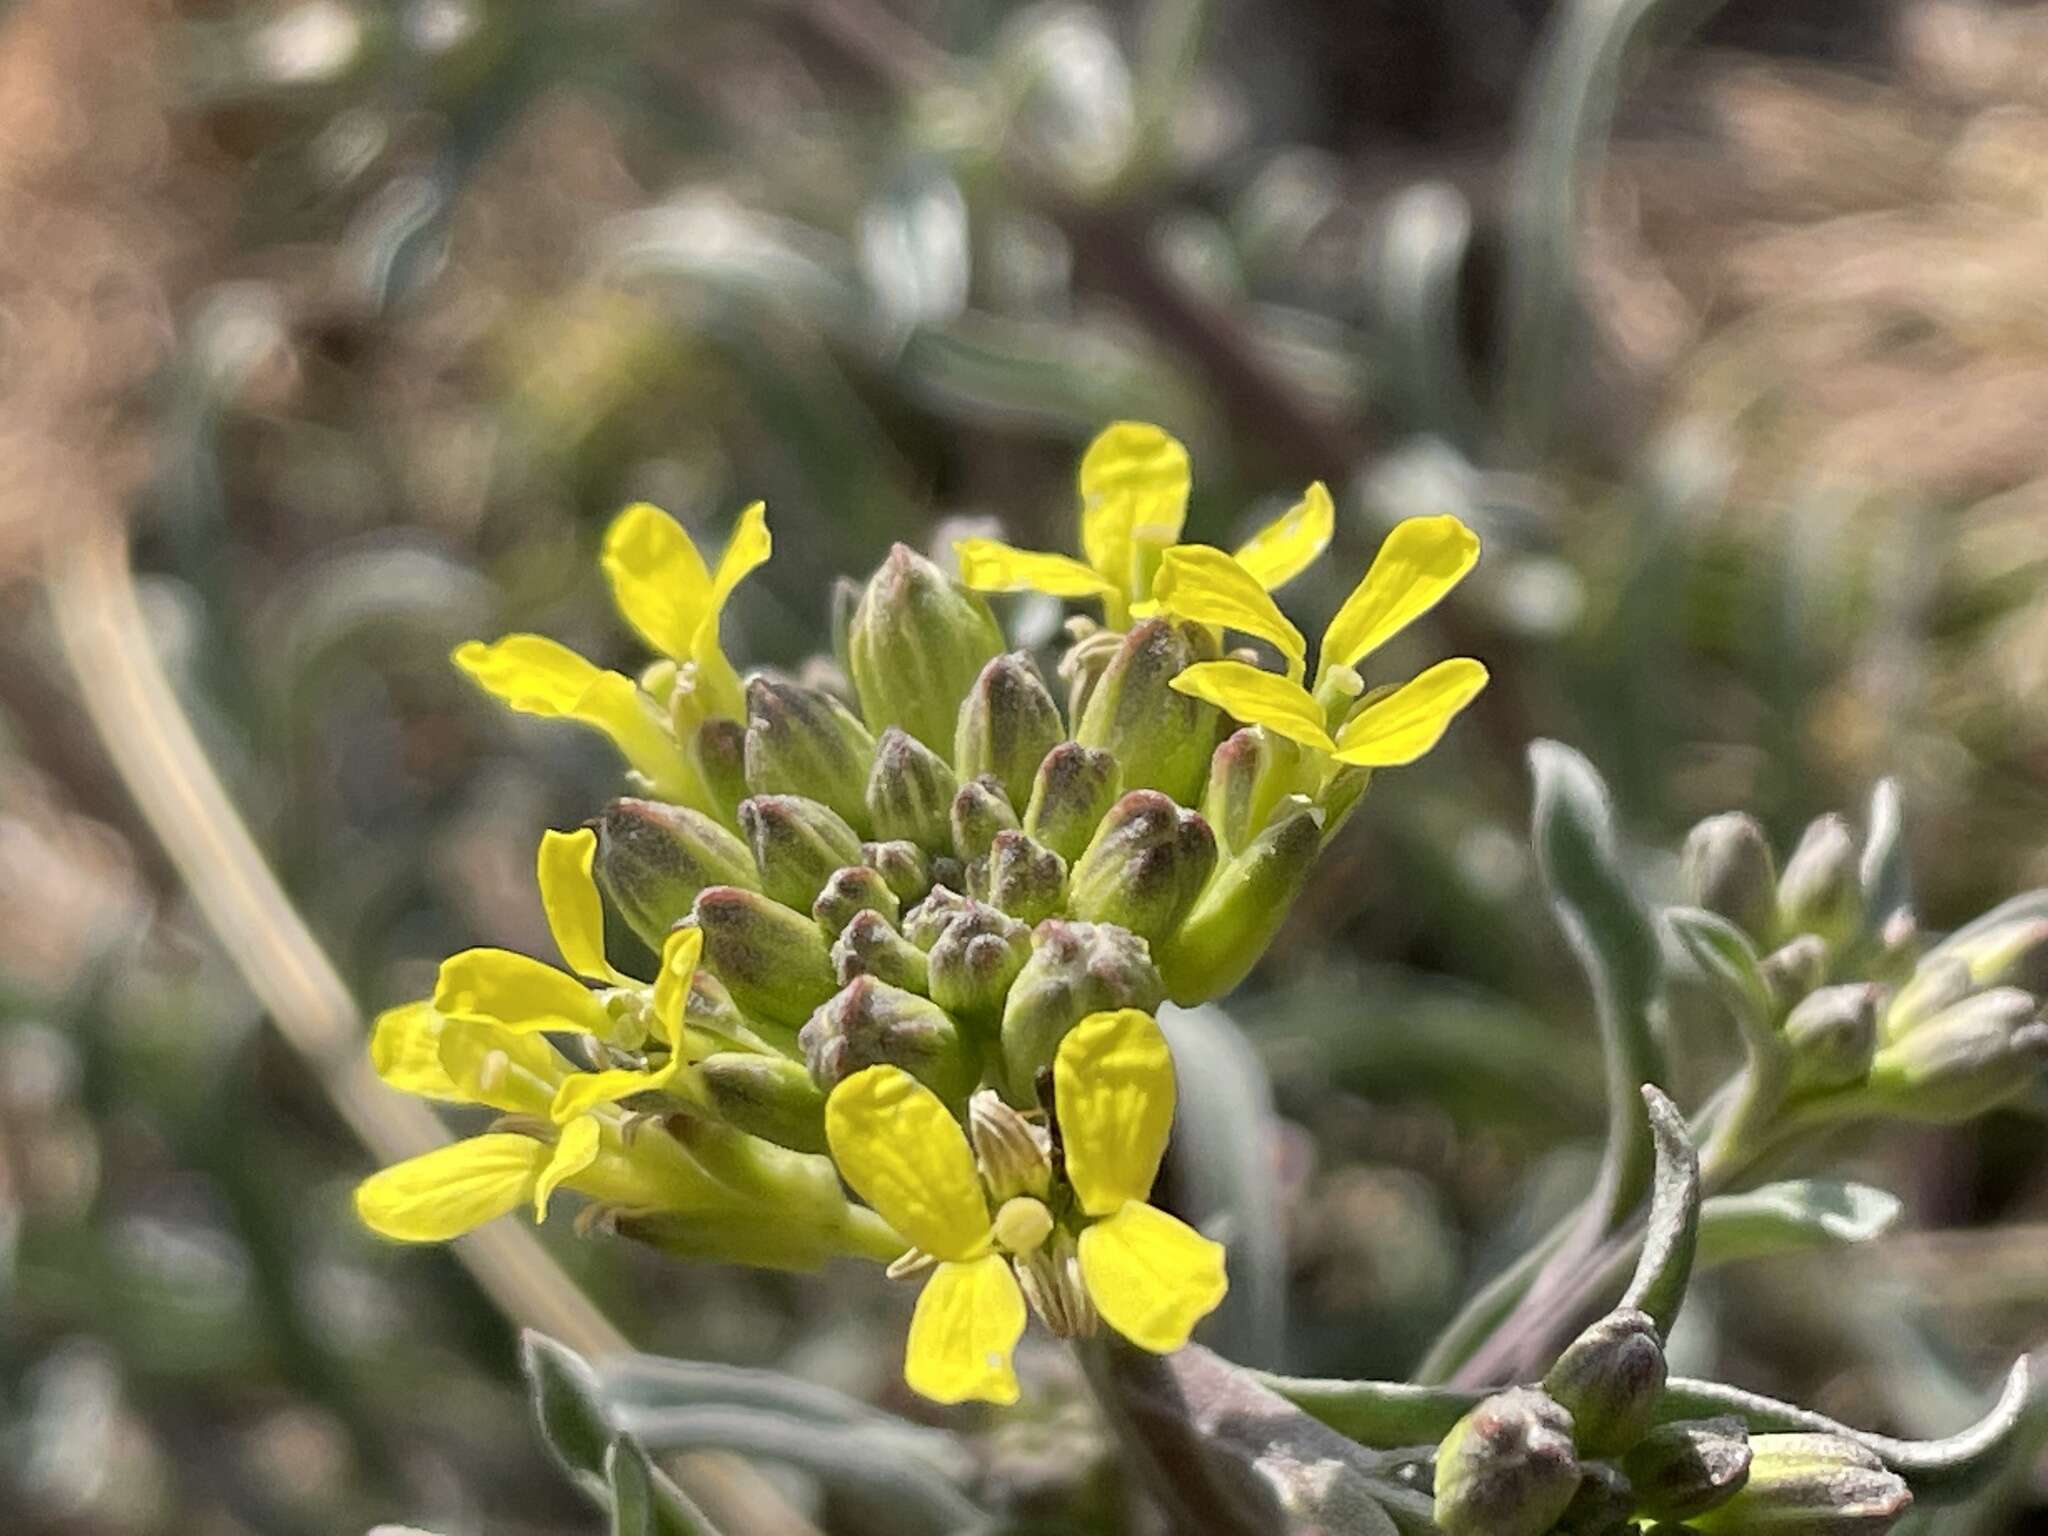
[844, 602]
[1824, 1485]
[903, 865]
[1832, 1035]
[767, 1096]
[653, 859]
[976, 955]
[1609, 1379]
[1821, 891]
[1145, 866]
[717, 1023]
[1160, 738]
[1224, 934]
[1249, 774]
[1728, 869]
[1081, 668]
[910, 792]
[1025, 879]
[1507, 1467]
[1075, 969]
[1073, 790]
[868, 1023]
[1687, 1468]
[915, 645]
[1014, 1155]
[797, 845]
[980, 811]
[923, 923]
[1966, 1059]
[773, 961]
[869, 946]
[718, 751]
[851, 891]
[1008, 722]
[1940, 982]
[803, 742]
[1602, 1506]
[2008, 954]
[1795, 968]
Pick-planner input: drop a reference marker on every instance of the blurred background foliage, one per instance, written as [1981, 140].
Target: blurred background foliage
[1725, 325]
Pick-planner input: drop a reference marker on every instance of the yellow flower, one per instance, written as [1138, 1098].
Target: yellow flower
[661, 585]
[1134, 501]
[1148, 1275]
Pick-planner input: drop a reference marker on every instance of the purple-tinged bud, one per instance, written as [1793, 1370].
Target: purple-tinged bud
[1249, 775]
[1609, 1378]
[915, 644]
[849, 892]
[797, 845]
[1795, 968]
[1008, 722]
[1025, 879]
[1687, 1468]
[772, 960]
[910, 792]
[923, 923]
[803, 742]
[1075, 969]
[653, 859]
[903, 864]
[1148, 862]
[976, 955]
[869, 1023]
[1832, 1036]
[980, 811]
[1821, 890]
[1222, 937]
[1816, 1485]
[771, 1097]
[1507, 1468]
[1160, 738]
[1965, 1060]
[1602, 1505]
[1728, 869]
[1074, 788]
[869, 946]
[718, 751]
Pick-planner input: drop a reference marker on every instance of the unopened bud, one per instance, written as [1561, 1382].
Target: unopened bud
[1025, 879]
[1795, 968]
[1228, 929]
[1821, 891]
[870, 946]
[715, 1022]
[1687, 1468]
[1728, 869]
[1075, 969]
[1817, 1485]
[1249, 775]
[851, 891]
[1148, 862]
[925, 922]
[977, 954]
[767, 1096]
[772, 960]
[718, 751]
[910, 792]
[1073, 790]
[803, 742]
[1160, 738]
[1832, 1035]
[915, 644]
[980, 811]
[1507, 1468]
[653, 859]
[1008, 722]
[903, 864]
[869, 1023]
[1602, 1506]
[797, 845]
[2009, 953]
[1965, 1060]
[1609, 1378]
[1084, 662]
[1014, 1155]
[845, 601]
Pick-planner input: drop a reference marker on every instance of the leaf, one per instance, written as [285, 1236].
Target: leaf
[1425, 232]
[913, 247]
[1729, 962]
[569, 1405]
[1790, 1216]
[643, 1500]
[1672, 1234]
[1385, 1415]
[1887, 883]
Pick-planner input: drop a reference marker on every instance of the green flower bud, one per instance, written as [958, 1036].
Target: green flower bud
[1687, 1468]
[710, 1014]
[869, 946]
[903, 865]
[1832, 1035]
[1965, 1060]
[767, 1096]
[850, 891]
[1026, 880]
[1602, 1506]
[1074, 788]
[1160, 738]
[844, 603]
[797, 845]
[1813, 1485]
[1085, 661]
[1075, 969]
[1506, 1468]
[773, 961]
[1939, 983]
[923, 923]
[915, 645]
[1014, 1155]
[1795, 968]
[980, 811]
[2007, 954]
[803, 742]
[868, 1023]
[1728, 869]
[976, 954]
[1224, 934]
[1821, 891]
[1609, 1379]
[910, 792]
[1249, 775]
[1145, 866]
[718, 751]
[653, 859]
[1008, 722]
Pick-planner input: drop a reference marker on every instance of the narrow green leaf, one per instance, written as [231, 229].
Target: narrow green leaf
[1887, 883]
[1672, 1234]
[644, 1501]
[568, 1404]
[1385, 1415]
[1790, 1216]
[1729, 962]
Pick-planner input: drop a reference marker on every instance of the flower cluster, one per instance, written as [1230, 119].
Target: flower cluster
[912, 921]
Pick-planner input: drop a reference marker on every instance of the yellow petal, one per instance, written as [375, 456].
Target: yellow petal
[450, 1190]
[583, 1092]
[516, 990]
[1422, 559]
[1206, 586]
[681, 953]
[575, 1150]
[405, 1050]
[989, 565]
[1151, 1276]
[904, 1154]
[1134, 478]
[748, 547]
[506, 1069]
[1113, 1085]
[537, 676]
[1409, 721]
[1258, 697]
[1288, 545]
[968, 1320]
[575, 912]
[657, 577]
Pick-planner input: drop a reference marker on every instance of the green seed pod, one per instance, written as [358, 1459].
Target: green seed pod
[980, 811]
[1144, 868]
[1073, 790]
[1821, 891]
[1161, 739]
[1965, 1060]
[797, 845]
[803, 742]
[1249, 775]
[767, 1096]
[1832, 1035]
[1222, 937]
[851, 891]
[1075, 969]
[915, 644]
[1794, 969]
[976, 954]
[903, 865]
[1728, 869]
[1024, 879]
[1814, 1485]
[772, 960]
[1687, 1468]
[869, 1023]
[1506, 1468]
[910, 792]
[1609, 1379]
[718, 751]
[1602, 1506]
[869, 946]
[1008, 722]
[653, 859]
